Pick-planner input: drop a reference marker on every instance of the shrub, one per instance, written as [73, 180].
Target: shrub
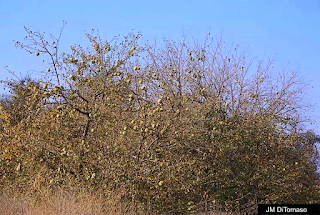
[180, 128]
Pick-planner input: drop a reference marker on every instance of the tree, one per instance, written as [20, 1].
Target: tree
[20, 93]
[181, 128]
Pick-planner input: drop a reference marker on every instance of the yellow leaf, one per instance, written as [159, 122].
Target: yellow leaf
[18, 167]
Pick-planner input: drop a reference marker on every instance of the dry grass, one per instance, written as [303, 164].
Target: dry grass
[63, 203]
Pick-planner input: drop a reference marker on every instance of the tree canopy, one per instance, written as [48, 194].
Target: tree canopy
[183, 127]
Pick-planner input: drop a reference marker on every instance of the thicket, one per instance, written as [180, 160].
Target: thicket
[181, 128]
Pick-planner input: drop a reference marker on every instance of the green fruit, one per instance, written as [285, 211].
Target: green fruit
[96, 47]
[72, 77]
[107, 48]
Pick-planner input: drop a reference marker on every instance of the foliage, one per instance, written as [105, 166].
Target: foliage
[181, 128]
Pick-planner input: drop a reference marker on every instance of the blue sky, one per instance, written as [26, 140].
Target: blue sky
[286, 29]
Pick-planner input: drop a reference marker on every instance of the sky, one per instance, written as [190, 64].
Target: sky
[287, 30]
